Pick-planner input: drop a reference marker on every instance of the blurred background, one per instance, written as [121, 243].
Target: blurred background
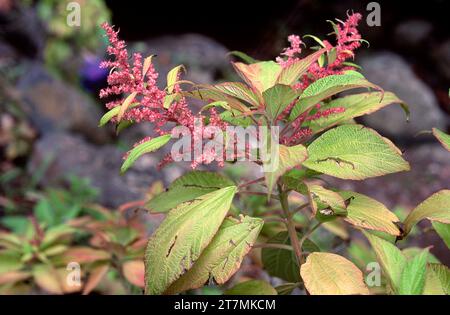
[54, 157]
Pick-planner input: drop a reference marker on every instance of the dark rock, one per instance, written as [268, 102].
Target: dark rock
[52, 105]
[101, 164]
[393, 73]
[204, 58]
[442, 57]
[412, 33]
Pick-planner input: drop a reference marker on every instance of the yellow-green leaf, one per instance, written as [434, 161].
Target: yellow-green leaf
[294, 71]
[442, 137]
[330, 274]
[146, 147]
[354, 152]
[391, 259]
[261, 75]
[112, 113]
[125, 105]
[412, 280]
[327, 87]
[287, 158]
[223, 256]
[277, 99]
[172, 77]
[182, 236]
[437, 280]
[365, 212]
[435, 208]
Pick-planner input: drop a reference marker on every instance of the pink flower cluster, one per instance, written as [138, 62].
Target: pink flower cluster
[348, 40]
[125, 79]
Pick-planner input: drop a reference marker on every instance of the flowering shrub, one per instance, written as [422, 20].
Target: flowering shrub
[213, 221]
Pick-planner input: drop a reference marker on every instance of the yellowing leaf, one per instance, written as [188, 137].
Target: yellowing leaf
[329, 274]
[391, 259]
[260, 75]
[146, 147]
[365, 212]
[146, 65]
[437, 280]
[442, 137]
[112, 113]
[294, 71]
[435, 208]
[354, 152]
[48, 279]
[134, 272]
[182, 236]
[12, 277]
[287, 158]
[223, 256]
[240, 91]
[332, 200]
[172, 77]
[125, 105]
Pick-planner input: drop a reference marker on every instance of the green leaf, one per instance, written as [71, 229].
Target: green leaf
[9, 261]
[316, 39]
[443, 230]
[355, 106]
[437, 280]
[146, 147]
[252, 287]
[246, 58]
[238, 90]
[182, 237]
[208, 94]
[329, 86]
[365, 212]
[236, 118]
[111, 113]
[292, 73]
[277, 98]
[435, 208]
[330, 202]
[260, 75]
[222, 104]
[286, 288]
[287, 158]
[443, 138]
[354, 152]
[223, 256]
[391, 259]
[282, 263]
[330, 274]
[172, 77]
[412, 280]
[188, 187]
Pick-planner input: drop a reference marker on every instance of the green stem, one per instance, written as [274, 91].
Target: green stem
[305, 236]
[290, 224]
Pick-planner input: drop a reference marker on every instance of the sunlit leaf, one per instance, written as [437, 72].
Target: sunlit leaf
[260, 75]
[412, 280]
[188, 187]
[391, 259]
[146, 147]
[437, 280]
[354, 152]
[329, 274]
[182, 236]
[277, 99]
[223, 256]
[442, 137]
[292, 73]
[435, 208]
[173, 76]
